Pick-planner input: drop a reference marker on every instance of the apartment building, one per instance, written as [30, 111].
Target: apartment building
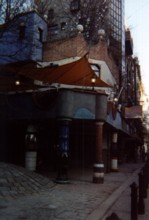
[74, 109]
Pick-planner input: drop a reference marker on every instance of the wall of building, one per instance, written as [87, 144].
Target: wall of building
[22, 39]
[77, 47]
[107, 15]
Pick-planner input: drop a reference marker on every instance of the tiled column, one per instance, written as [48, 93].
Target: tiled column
[63, 150]
[114, 153]
[98, 173]
[31, 148]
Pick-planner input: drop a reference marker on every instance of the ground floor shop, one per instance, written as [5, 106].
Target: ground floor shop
[62, 130]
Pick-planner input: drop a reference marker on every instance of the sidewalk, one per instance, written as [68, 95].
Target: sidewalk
[122, 206]
[28, 195]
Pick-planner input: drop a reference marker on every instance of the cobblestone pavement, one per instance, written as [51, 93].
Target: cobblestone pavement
[31, 196]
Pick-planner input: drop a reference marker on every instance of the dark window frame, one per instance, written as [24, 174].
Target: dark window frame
[53, 30]
[40, 32]
[75, 5]
[22, 31]
[51, 13]
[63, 26]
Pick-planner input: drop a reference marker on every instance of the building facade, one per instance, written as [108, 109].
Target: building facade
[24, 35]
[73, 112]
[94, 15]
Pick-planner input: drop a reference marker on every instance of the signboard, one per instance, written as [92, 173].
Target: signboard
[133, 112]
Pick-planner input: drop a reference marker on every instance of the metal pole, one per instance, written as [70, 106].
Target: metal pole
[134, 204]
[141, 205]
[145, 175]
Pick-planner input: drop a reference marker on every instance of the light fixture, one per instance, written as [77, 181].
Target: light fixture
[101, 34]
[114, 96]
[115, 100]
[93, 81]
[80, 28]
[17, 82]
[45, 17]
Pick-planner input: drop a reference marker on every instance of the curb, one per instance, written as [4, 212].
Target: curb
[100, 211]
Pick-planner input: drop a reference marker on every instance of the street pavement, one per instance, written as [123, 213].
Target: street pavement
[32, 196]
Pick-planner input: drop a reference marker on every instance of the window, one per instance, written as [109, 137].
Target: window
[74, 5]
[96, 69]
[21, 31]
[51, 14]
[53, 30]
[63, 26]
[40, 32]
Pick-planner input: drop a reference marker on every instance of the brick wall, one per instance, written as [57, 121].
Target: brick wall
[77, 46]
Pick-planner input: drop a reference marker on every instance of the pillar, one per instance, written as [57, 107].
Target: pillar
[98, 173]
[114, 153]
[31, 148]
[63, 150]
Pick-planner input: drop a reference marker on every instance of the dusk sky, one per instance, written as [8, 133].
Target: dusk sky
[137, 20]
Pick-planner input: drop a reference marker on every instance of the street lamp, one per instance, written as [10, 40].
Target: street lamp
[93, 81]
[17, 82]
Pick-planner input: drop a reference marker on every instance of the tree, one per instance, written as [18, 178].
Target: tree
[43, 6]
[90, 13]
[93, 15]
[10, 8]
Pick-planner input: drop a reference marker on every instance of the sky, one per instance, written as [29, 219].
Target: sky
[137, 20]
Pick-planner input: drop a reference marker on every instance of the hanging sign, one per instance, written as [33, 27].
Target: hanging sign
[133, 112]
